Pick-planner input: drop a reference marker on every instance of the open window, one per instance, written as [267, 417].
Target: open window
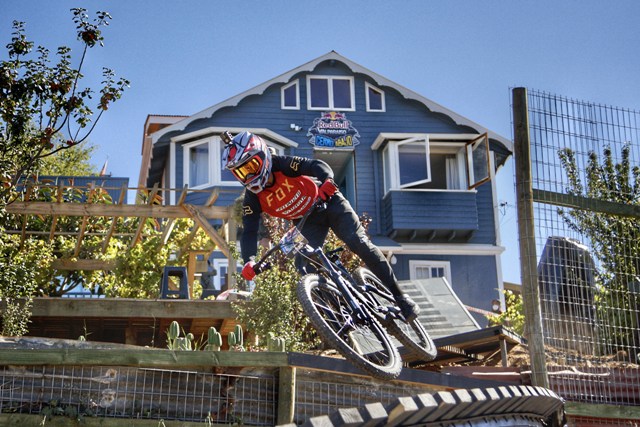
[477, 152]
[434, 162]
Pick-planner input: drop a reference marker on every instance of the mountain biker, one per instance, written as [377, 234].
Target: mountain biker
[286, 187]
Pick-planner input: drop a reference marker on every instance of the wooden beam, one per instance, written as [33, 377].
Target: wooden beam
[152, 196]
[54, 220]
[200, 219]
[83, 226]
[23, 234]
[150, 358]
[168, 228]
[82, 209]
[586, 203]
[187, 243]
[83, 264]
[125, 308]
[105, 243]
[286, 395]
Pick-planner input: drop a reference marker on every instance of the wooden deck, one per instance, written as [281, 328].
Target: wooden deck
[127, 321]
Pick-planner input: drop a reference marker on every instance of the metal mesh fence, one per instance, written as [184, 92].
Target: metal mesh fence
[123, 392]
[585, 164]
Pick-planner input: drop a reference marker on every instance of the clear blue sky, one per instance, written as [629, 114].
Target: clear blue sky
[184, 56]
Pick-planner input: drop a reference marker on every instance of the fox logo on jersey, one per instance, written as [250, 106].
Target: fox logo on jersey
[288, 197]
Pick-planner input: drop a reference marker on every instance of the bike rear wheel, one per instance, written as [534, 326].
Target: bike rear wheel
[364, 342]
[412, 335]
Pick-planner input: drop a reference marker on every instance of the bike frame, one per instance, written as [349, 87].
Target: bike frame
[293, 242]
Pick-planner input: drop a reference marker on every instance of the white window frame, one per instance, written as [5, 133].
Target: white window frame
[460, 145]
[390, 155]
[185, 163]
[215, 162]
[330, 94]
[430, 264]
[368, 86]
[295, 83]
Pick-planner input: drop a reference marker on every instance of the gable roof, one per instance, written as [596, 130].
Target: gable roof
[356, 68]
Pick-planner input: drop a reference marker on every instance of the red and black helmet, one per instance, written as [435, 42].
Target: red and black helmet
[249, 158]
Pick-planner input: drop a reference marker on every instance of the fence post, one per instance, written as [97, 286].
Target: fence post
[286, 395]
[527, 239]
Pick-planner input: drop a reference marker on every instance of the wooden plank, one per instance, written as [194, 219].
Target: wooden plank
[129, 307]
[83, 264]
[82, 209]
[63, 421]
[586, 203]
[150, 358]
[601, 411]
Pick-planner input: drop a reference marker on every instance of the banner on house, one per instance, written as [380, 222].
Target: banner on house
[333, 130]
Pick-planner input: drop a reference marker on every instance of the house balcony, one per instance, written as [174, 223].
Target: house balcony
[430, 216]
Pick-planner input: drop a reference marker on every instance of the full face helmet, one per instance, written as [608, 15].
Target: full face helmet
[249, 158]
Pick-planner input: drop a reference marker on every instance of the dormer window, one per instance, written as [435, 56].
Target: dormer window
[330, 93]
[290, 96]
[374, 98]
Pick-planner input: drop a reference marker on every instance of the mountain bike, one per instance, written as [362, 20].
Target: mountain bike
[351, 313]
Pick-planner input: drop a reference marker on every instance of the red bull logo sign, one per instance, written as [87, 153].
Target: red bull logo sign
[333, 130]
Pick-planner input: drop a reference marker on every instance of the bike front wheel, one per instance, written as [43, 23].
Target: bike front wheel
[412, 335]
[364, 342]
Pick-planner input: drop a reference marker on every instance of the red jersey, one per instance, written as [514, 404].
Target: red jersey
[288, 197]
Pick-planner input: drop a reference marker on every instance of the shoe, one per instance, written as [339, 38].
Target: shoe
[409, 308]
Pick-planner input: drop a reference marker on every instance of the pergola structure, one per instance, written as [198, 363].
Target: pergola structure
[148, 205]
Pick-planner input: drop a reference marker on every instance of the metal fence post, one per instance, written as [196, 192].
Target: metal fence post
[527, 240]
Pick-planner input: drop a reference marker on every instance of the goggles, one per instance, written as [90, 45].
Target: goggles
[248, 169]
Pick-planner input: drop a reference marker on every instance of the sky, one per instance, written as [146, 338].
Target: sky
[185, 56]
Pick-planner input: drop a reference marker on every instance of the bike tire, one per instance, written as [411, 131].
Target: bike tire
[412, 335]
[366, 344]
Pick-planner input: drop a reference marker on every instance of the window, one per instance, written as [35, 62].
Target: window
[203, 166]
[478, 160]
[429, 269]
[435, 162]
[374, 98]
[406, 163]
[220, 280]
[290, 96]
[330, 93]
[197, 164]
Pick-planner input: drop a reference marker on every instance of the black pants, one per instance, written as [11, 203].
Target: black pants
[340, 217]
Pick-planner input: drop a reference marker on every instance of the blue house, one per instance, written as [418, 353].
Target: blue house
[423, 173]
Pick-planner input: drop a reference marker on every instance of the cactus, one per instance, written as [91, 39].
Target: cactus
[173, 336]
[275, 343]
[232, 339]
[214, 340]
[239, 337]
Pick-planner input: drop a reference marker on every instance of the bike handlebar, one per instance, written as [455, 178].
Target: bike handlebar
[262, 264]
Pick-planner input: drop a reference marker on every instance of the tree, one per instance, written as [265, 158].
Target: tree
[39, 100]
[43, 111]
[614, 238]
[76, 162]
